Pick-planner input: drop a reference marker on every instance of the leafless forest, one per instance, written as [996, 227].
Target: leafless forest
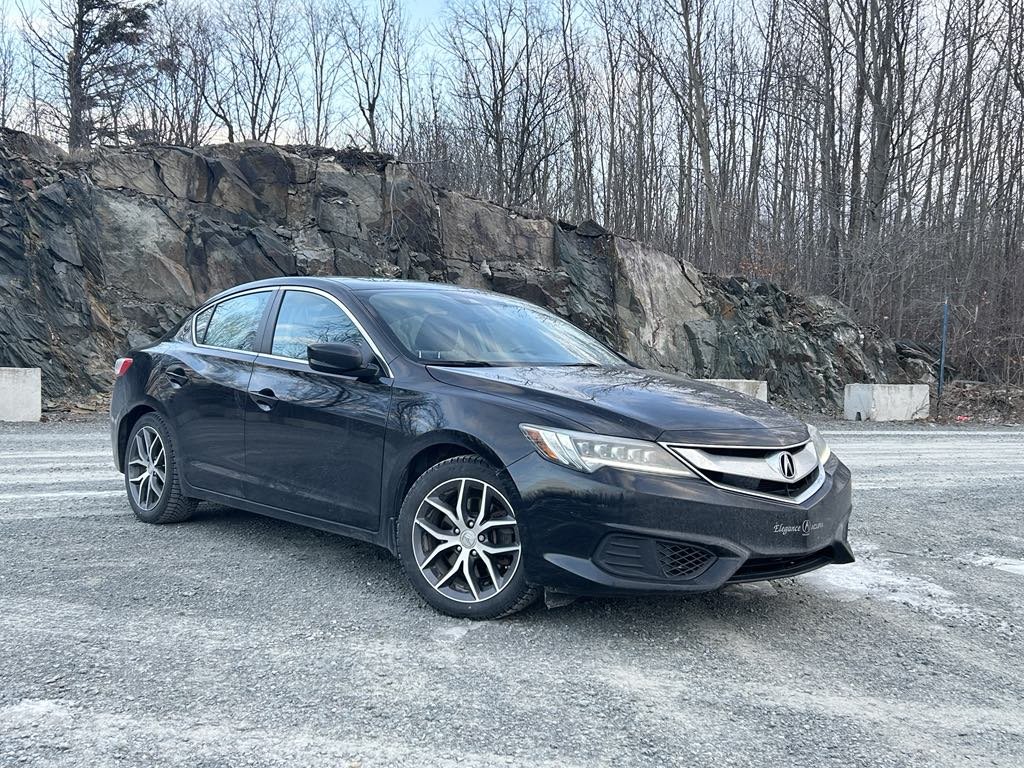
[872, 150]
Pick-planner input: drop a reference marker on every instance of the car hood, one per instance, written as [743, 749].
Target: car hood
[637, 403]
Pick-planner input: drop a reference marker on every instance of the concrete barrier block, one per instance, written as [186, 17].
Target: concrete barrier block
[21, 396]
[886, 402]
[750, 387]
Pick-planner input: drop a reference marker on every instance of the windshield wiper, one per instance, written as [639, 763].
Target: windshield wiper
[486, 364]
[462, 363]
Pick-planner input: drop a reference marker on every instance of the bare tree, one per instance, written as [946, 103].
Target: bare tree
[12, 72]
[318, 89]
[678, 59]
[368, 32]
[251, 62]
[171, 102]
[579, 78]
[402, 60]
[507, 79]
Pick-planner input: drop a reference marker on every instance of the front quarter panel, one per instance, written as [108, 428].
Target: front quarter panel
[430, 414]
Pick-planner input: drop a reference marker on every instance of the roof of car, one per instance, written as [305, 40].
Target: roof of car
[356, 284]
[376, 283]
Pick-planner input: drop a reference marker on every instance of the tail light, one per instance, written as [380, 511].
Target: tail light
[121, 366]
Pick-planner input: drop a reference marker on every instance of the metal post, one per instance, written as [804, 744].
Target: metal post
[942, 352]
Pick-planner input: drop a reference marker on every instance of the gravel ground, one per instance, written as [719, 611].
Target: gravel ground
[236, 640]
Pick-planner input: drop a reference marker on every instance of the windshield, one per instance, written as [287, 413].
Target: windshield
[456, 327]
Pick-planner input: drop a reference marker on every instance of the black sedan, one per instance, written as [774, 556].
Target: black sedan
[497, 449]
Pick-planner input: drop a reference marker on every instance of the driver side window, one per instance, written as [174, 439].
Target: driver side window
[308, 318]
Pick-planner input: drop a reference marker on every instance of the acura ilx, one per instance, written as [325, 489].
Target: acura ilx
[495, 448]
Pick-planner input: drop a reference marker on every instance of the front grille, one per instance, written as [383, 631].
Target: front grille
[773, 487]
[756, 471]
[764, 568]
[639, 557]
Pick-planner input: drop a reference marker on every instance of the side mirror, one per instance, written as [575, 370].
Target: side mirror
[342, 359]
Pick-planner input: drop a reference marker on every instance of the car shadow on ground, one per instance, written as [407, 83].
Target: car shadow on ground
[373, 574]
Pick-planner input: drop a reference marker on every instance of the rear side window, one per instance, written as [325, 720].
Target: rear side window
[234, 323]
[202, 322]
[306, 318]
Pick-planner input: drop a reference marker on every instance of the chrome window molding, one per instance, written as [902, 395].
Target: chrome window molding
[305, 289]
[195, 316]
[282, 357]
[678, 450]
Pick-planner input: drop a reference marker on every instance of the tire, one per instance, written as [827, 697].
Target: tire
[151, 447]
[464, 563]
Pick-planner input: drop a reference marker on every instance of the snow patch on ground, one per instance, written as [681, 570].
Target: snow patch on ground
[35, 713]
[873, 576]
[1008, 564]
[32, 710]
[460, 631]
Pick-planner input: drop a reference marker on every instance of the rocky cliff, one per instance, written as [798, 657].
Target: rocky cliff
[107, 250]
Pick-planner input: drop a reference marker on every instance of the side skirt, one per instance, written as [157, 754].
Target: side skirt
[308, 521]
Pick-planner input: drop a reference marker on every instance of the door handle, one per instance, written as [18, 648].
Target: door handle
[177, 376]
[265, 399]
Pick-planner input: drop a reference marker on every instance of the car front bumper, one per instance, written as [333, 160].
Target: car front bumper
[615, 532]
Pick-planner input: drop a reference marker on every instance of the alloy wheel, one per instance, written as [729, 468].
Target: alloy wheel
[466, 540]
[147, 468]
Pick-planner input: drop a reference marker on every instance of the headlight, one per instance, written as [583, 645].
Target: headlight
[820, 446]
[587, 452]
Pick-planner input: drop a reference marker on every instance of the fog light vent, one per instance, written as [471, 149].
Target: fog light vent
[682, 561]
[649, 559]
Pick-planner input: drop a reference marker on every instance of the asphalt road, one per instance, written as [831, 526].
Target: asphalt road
[235, 640]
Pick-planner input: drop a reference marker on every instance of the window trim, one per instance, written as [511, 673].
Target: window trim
[214, 305]
[341, 305]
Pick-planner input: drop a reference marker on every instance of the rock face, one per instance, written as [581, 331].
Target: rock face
[106, 251]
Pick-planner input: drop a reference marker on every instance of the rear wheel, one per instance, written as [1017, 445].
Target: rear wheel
[151, 473]
[459, 541]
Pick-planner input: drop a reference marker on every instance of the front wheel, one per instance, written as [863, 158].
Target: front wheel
[459, 541]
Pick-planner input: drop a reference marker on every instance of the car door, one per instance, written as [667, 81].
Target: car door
[314, 441]
[208, 387]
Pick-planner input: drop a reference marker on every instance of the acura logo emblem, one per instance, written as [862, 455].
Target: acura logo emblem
[786, 465]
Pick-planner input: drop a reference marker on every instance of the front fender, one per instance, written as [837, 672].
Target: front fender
[425, 419]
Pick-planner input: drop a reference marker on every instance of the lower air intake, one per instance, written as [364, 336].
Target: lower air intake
[682, 561]
[639, 557]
